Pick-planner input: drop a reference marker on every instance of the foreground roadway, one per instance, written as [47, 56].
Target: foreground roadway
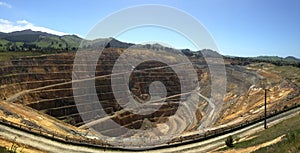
[48, 145]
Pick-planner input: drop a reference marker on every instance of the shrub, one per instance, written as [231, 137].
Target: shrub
[229, 141]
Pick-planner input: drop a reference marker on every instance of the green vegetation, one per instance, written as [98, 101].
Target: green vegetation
[291, 73]
[278, 61]
[34, 43]
[290, 143]
[290, 128]
[12, 149]
[28, 40]
[4, 150]
[229, 142]
[43, 43]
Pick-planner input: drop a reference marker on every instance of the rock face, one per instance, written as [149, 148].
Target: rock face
[44, 83]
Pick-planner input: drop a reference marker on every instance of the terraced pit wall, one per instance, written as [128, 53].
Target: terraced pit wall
[44, 83]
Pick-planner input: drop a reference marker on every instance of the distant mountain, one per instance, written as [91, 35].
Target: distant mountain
[104, 43]
[279, 61]
[36, 40]
[24, 36]
[292, 58]
[28, 40]
[276, 58]
[41, 41]
[2, 35]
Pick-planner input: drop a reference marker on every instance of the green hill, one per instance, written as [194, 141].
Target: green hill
[28, 40]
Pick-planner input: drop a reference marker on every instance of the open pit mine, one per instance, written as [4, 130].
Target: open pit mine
[40, 95]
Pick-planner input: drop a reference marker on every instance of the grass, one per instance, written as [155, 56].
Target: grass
[3, 44]
[12, 149]
[290, 72]
[50, 43]
[291, 142]
[4, 150]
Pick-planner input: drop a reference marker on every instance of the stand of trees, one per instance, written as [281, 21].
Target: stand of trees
[13, 46]
[243, 61]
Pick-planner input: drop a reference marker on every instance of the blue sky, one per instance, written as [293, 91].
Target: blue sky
[239, 27]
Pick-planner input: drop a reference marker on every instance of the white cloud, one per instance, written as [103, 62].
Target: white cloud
[5, 4]
[2, 21]
[8, 26]
[22, 22]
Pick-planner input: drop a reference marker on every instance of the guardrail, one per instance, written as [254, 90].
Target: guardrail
[84, 141]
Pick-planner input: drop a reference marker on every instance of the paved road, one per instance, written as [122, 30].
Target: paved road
[203, 146]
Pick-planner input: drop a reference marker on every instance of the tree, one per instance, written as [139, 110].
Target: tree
[67, 46]
[29, 46]
[107, 45]
[229, 141]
